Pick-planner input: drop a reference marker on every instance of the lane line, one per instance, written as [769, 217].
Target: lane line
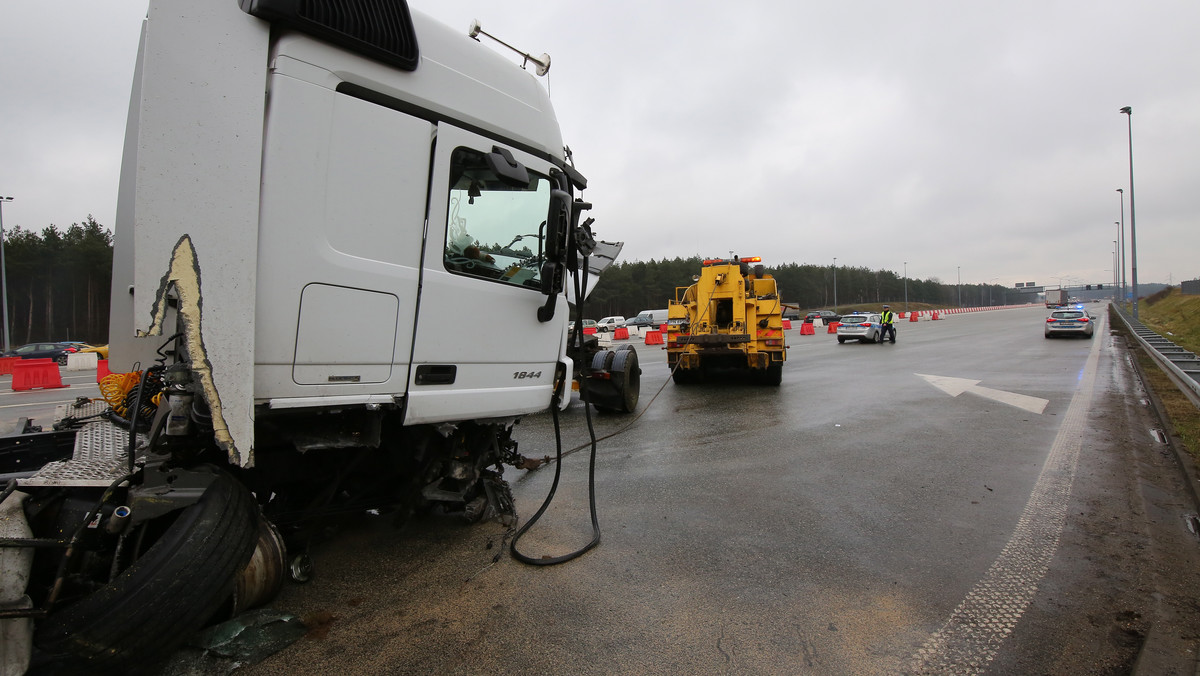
[977, 628]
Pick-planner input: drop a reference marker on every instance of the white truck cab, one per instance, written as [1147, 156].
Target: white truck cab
[309, 205]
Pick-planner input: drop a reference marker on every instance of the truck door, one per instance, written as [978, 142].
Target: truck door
[479, 350]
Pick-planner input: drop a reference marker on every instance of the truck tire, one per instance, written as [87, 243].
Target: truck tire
[773, 374]
[683, 376]
[625, 368]
[167, 594]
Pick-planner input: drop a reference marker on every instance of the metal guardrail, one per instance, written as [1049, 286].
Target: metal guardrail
[1182, 365]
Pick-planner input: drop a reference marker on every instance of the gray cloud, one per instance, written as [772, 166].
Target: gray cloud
[945, 134]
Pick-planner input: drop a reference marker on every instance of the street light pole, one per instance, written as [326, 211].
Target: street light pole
[1128, 111]
[905, 287]
[960, 286]
[835, 303]
[1116, 250]
[1124, 278]
[4, 276]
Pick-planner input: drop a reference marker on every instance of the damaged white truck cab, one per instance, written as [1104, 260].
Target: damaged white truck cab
[340, 258]
[327, 197]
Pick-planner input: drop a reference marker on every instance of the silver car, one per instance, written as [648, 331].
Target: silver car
[863, 327]
[1070, 322]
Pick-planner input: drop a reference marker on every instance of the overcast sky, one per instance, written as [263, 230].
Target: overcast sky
[952, 135]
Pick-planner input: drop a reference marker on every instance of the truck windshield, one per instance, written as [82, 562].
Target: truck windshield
[494, 230]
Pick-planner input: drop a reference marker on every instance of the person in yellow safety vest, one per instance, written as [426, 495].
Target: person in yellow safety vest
[887, 324]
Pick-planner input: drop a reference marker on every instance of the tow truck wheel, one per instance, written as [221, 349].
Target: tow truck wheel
[167, 594]
[773, 375]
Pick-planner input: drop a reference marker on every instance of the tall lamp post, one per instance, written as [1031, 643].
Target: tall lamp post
[960, 286]
[835, 284]
[905, 287]
[4, 275]
[1124, 278]
[1128, 111]
[1116, 274]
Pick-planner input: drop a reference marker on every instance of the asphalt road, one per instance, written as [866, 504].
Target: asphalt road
[858, 519]
[972, 499]
[39, 405]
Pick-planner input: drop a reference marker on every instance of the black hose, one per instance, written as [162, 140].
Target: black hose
[583, 392]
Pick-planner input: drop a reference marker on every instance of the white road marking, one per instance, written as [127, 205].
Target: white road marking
[956, 386]
[977, 628]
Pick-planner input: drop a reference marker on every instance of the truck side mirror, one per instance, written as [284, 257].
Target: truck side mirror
[558, 224]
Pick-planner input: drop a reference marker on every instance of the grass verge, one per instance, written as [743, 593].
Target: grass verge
[1182, 416]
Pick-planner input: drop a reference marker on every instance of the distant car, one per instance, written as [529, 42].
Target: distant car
[607, 324]
[826, 315]
[100, 350]
[55, 351]
[1070, 322]
[864, 327]
[652, 318]
[791, 313]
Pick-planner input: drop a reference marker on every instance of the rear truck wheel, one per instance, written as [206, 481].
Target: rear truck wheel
[683, 376]
[773, 374]
[166, 595]
[619, 391]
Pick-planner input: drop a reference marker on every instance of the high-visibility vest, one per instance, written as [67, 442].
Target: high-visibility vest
[889, 317]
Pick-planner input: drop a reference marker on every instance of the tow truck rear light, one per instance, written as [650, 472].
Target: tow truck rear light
[773, 342]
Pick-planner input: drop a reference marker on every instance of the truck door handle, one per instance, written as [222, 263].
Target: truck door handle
[436, 374]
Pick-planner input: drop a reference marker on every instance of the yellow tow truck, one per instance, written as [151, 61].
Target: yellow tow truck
[729, 319]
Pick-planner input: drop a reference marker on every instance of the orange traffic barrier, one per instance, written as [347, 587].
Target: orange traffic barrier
[101, 369]
[621, 334]
[902, 315]
[654, 338]
[833, 327]
[589, 330]
[913, 316]
[29, 374]
[934, 315]
[787, 324]
[6, 365]
[662, 327]
[806, 329]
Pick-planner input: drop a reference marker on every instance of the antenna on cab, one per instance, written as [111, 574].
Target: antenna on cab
[541, 63]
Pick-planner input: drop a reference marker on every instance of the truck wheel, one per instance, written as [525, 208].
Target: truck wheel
[167, 594]
[683, 376]
[773, 375]
[626, 364]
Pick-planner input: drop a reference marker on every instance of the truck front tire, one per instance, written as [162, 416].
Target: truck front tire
[167, 594]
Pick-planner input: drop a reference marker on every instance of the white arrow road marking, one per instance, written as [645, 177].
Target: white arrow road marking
[956, 386]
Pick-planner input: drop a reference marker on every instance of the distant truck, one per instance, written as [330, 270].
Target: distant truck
[1056, 297]
[731, 318]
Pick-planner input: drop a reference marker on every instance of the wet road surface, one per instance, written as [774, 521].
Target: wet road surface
[855, 520]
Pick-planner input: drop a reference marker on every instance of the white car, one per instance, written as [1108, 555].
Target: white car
[1070, 322]
[865, 327]
[607, 324]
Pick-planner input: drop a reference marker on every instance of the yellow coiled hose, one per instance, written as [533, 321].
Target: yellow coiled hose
[118, 390]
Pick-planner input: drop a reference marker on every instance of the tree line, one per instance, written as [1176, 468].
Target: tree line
[627, 288]
[58, 283]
